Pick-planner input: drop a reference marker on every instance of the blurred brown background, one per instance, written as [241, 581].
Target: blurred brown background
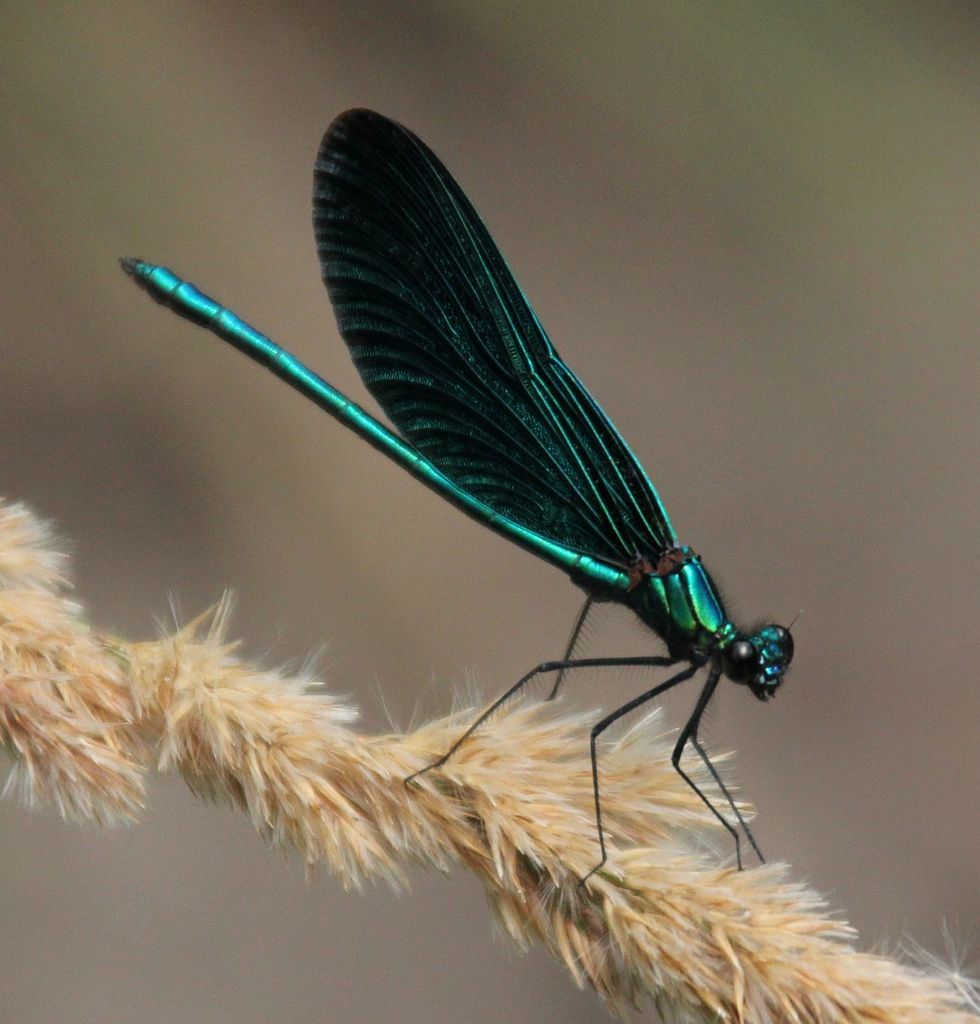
[751, 232]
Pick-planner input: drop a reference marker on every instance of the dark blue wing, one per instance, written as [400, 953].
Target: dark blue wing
[445, 340]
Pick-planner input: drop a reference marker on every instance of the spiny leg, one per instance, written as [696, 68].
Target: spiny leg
[728, 796]
[690, 733]
[572, 641]
[545, 666]
[601, 727]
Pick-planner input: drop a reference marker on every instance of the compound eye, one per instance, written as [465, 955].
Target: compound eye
[739, 660]
[785, 640]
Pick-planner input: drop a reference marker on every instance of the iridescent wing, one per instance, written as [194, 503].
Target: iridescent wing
[445, 340]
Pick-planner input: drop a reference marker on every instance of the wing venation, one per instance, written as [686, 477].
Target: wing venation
[445, 340]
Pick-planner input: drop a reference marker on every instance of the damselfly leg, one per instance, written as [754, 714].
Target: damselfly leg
[690, 734]
[545, 666]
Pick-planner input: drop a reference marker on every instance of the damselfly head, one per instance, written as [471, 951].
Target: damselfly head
[760, 660]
